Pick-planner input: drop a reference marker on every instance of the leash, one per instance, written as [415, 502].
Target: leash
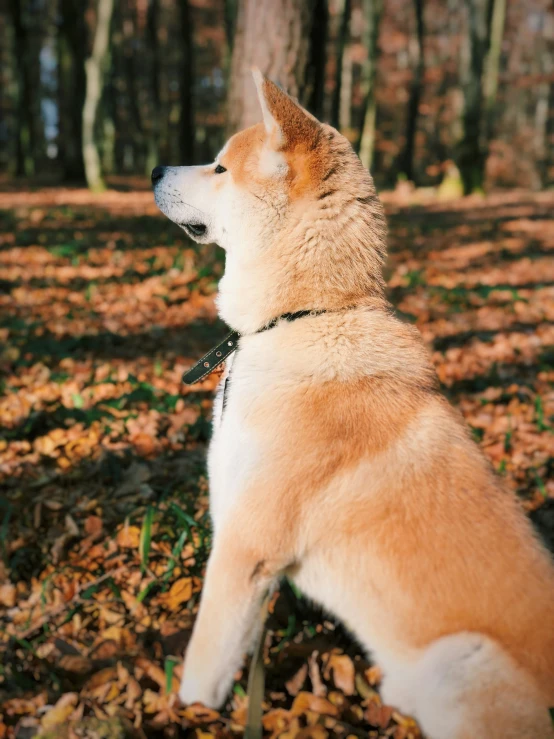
[256, 680]
[216, 356]
[212, 359]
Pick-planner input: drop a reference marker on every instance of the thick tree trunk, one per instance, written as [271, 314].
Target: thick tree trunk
[472, 149]
[273, 35]
[406, 163]
[94, 70]
[342, 42]
[373, 10]
[186, 121]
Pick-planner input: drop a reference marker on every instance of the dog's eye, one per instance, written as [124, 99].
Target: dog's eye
[219, 169]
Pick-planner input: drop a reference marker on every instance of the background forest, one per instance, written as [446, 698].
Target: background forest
[113, 87]
[104, 303]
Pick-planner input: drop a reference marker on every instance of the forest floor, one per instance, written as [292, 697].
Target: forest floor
[104, 531]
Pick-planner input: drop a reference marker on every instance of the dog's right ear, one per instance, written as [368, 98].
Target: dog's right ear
[286, 122]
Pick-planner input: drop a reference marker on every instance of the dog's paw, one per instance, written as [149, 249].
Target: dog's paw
[191, 690]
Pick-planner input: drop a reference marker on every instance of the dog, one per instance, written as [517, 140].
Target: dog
[336, 461]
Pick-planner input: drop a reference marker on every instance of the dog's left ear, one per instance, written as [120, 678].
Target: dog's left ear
[286, 122]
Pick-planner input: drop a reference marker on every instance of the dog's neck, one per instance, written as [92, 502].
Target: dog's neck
[279, 281]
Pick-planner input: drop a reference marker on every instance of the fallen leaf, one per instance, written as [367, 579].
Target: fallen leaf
[296, 682]
[179, 593]
[343, 671]
[318, 688]
[309, 702]
[128, 537]
[7, 595]
[60, 712]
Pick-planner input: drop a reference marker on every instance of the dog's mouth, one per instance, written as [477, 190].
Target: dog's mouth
[195, 229]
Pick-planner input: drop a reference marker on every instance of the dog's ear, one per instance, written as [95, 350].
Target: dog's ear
[286, 122]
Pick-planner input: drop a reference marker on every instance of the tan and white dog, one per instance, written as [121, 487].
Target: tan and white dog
[336, 460]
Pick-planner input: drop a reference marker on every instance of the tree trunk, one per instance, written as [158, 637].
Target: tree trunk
[28, 114]
[230, 20]
[135, 136]
[186, 121]
[493, 64]
[94, 70]
[373, 10]
[406, 163]
[341, 46]
[152, 155]
[472, 149]
[315, 72]
[72, 51]
[548, 164]
[273, 35]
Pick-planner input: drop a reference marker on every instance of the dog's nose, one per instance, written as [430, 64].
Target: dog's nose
[157, 174]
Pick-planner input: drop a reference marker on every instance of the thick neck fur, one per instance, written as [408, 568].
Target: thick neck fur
[323, 250]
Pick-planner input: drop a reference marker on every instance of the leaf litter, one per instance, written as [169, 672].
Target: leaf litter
[104, 527]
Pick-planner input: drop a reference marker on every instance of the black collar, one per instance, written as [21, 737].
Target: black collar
[219, 353]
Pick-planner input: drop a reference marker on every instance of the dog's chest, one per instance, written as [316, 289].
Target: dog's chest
[231, 454]
[222, 395]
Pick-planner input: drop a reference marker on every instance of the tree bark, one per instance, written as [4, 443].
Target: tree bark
[472, 149]
[28, 81]
[273, 35]
[136, 136]
[186, 120]
[230, 20]
[406, 164]
[340, 69]
[94, 70]
[72, 51]
[152, 154]
[492, 68]
[373, 10]
[315, 72]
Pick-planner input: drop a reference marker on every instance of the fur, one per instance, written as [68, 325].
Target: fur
[338, 462]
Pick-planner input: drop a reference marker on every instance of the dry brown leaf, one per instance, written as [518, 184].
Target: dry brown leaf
[128, 537]
[343, 671]
[294, 685]
[60, 712]
[93, 526]
[309, 702]
[134, 691]
[101, 678]
[276, 719]
[179, 593]
[76, 663]
[318, 688]
[378, 715]
[154, 672]
[316, 731]
[374, 675]
[197, 712]
[143, 443]
[7, 595]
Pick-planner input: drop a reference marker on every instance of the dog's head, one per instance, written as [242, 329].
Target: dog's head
[295, 210]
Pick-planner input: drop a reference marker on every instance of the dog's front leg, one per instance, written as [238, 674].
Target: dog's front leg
[238, 575]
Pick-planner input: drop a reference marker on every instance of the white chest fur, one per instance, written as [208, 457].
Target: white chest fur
[232, 449]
